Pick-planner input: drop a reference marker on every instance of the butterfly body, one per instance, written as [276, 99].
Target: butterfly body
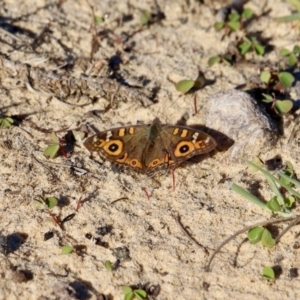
[149, 148]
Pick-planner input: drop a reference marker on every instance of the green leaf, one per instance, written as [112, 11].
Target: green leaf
[268, 98]
[273, 204]
[51, 151]
[54, 138]
[284, 52]
[292, 60]
[219, 25]
[267, 239]
[289, 18]
[108, 265]
[268, 273]
[234, 17]
[98, 19]
[247, 13]
[286, 79]
[6, 122]
[129, 296]
[185, 85]
[126, 289]
[213, 60]
[234, 25]
[284, 106]
[289, 201]
[296, 49]
[66, 249]
[265, 76]
[51, 202]
[248, 196]
[146, 17]
[259, 49]
[254, 235]
[200, 81]
[244, 48]
[140, 294]
[40, 203]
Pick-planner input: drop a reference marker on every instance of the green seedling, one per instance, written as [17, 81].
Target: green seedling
[54, 147]
[251, 44]
[268, 273]
[67, 249]
[108, 265]
[227, 59]
[6, 122]
[276, 80]
[48, 202]
[188, 85]
[145, 18]
[280, 204]
[291, 57]
[279, 106]
[235, 21]
[134, 294]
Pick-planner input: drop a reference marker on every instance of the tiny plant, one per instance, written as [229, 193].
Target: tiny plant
[279, 106]
[234, 21]
[281, 204]
[54, 146]
[67, 249]
[133, 294]
[291, 57]
[277, 80]
[268, 273]
[6, 122]
[251, 44]
[48, 202]
[188, 85]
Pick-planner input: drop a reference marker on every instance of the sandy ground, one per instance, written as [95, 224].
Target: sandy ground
[158, 253]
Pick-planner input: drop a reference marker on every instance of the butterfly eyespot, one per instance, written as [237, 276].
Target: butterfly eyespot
[135, 163]
[184, 149]
[113, 147]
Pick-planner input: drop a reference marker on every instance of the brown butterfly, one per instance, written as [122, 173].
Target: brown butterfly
[149, 148]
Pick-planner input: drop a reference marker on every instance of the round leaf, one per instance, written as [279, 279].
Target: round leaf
[265, 76]
[292, 59]
[259, 49]
[51, 151]
[247, 13]
[108, 265]
[266, 239]
[268, 273]
[234, 17]
[184, 86]
[234, 25]
[296, 49]
[244, 48]
[146, 17]
[284, 106]
[54, 138]
[273, 204]
[286, 79]
[51, 202]
[5, 123]
[66, 249]
[284, 52]
[213, 60]
[140, 294]
[254, 234]
[218, 25]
